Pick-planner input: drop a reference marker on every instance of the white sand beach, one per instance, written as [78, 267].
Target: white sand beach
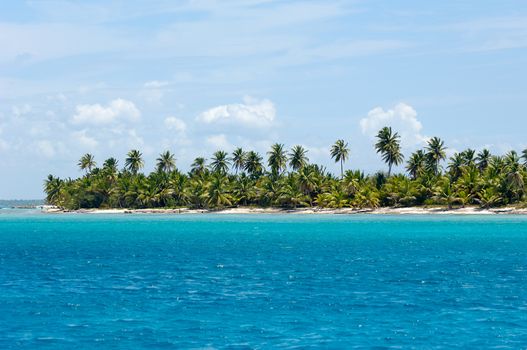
[302, 211]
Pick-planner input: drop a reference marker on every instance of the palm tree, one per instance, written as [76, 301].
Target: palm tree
[389, 146]
[468, 156]
[514, 175]
[435, 154]
[87, 163]
[416, 164]
[220, 162]
[52, 187]
[238, 159]
[197, 191]
[340, 152]
[134, 161]
[456, 163]
[199, 166]
[291, 196]
[471, 179]
[308, 180]
[512, 158]
[495, 166]
[253, 164]
[352, 181]
[367, 197]
[400, 190]
[244, 189]
[277, 160]
[489, 197]
[166, 162]
[110, 174]
[111, 165]
[333, 199]
[178, 182]
[444, 193]
[298, 157]
[483, 159]
[267, 190]
[218, 194]
[524, 156]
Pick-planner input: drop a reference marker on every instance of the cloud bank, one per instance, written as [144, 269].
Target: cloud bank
[402, 118]
[97, 114]
[251, 113]
[176, 124]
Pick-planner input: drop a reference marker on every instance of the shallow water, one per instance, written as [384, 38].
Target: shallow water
[264, 281]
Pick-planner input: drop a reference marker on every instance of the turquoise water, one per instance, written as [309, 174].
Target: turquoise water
[242, 282]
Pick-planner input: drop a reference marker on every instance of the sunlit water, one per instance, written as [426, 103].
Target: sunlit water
[241, 282]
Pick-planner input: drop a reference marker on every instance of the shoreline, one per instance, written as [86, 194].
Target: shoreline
[301, 211]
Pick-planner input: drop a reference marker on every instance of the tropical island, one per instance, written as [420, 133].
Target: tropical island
[287, 180]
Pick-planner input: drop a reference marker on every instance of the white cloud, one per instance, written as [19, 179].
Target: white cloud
[98, 114]
[318, 152]
[251, 113]
[219, 142]
[134, 140]
[153, 91]
[84, 140]
[45, 148]
[38, 130]
[402, 118]
[123, 140]
[176, 124]
[19, 111]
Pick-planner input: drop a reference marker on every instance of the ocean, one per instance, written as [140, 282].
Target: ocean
[262, 281]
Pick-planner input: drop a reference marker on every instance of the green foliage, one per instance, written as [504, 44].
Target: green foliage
[471, 179]
[277, 160]
[87, 162]
[435, 154]
[340, 153]
[416, 165]
[134, 161]
[166, 162]
[389, 146]
[253, 164]
[239, 158]
[220, 162]
[298, 157]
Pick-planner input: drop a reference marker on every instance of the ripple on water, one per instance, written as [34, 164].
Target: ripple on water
[165, 282]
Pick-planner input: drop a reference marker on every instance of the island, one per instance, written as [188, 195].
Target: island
[241, 182]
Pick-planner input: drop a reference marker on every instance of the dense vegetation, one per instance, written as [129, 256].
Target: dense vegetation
[288, 180]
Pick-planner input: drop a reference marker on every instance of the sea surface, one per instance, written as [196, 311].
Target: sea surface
[76, 281]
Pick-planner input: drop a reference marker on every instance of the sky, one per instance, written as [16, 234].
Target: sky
[197, 76]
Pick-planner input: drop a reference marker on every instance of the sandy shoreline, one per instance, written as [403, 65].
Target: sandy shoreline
[305, 211]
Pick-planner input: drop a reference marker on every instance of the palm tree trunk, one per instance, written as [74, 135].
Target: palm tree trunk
[389, 169]
[341, 170]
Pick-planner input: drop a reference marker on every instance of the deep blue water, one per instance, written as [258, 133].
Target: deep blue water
[241, 282]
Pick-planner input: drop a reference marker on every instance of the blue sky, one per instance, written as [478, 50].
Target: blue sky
[196, 76]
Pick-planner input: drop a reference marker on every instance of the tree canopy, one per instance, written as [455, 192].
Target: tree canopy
[471, 178]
